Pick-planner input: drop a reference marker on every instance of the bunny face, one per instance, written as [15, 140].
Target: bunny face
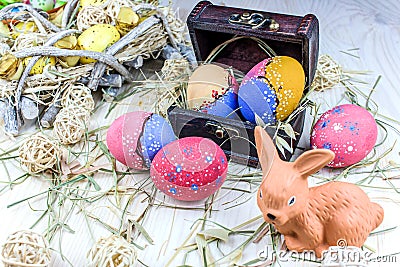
[282, 196]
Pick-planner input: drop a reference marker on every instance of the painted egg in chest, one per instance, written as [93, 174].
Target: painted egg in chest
[213, 89]
[349, 131]
[189, 169]
[135, 138]
[286, 76]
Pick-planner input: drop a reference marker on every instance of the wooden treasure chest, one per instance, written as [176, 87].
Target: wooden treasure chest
[287, 35]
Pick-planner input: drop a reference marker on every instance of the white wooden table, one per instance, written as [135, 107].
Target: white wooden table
[369, 30]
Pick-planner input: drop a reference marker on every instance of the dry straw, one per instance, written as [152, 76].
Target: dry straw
[144, 45]
[26, 249]
[38, 153]
[112, 251]
[328, 74]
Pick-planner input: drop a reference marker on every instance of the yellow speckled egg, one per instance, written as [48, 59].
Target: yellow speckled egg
[40, 64]
[91, 2]
[286, 76]
[97, 38]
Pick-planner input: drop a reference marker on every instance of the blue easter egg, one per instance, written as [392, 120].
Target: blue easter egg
[225, 106]
[157, 133]
[256, 97]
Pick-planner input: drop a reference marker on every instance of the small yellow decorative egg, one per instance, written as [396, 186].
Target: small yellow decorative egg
[91, 2]
[286, 76]
[97, 38]
[23, 27]
[40, 64]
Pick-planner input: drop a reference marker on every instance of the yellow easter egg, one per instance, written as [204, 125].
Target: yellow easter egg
[286, 76]
[97, 38]
[40, 64]
[23, 27]
[91, 2]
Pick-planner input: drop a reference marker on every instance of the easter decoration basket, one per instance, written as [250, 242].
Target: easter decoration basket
[55, 54]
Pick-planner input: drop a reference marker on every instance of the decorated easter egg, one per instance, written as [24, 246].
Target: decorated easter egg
[189, 169]
[44, 5]
[91, 2]
[213, 90]
[40, 64]
[257, 71]
[286, 77]
[257, 97]
[97, 38]
[135, 137]
[348, 130]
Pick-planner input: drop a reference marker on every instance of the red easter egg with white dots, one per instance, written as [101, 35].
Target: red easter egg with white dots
[189, 169]
[349, 131]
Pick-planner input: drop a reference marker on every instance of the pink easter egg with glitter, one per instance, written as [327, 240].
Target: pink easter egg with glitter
[257, 71]
[189, 169]
[349, 131]
[135, 138]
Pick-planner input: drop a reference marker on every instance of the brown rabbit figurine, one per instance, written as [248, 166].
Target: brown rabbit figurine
[317, 217]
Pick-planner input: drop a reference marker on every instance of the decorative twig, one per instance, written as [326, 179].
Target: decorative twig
[6, 10]
[30, 65]
[99, 68]
[29, 108]
[68, 11]
[57, 52]
[10, 117]
[49, 116]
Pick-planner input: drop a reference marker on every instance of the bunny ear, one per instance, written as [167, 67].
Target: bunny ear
[265, 149]
[313, 160]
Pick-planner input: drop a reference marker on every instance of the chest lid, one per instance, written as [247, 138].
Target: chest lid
[287, 35]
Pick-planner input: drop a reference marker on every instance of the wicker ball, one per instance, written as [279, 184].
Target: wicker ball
[70, 124]
[90, 16]
[112, 251]
[78, 95]
[38, 153]
[328, 74]
[26, 248]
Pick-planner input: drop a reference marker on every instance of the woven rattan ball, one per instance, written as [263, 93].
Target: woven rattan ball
[328, 74]
[70, 124]
[90, 16]
[112, 251]
[27, 249]
[78, 95]
[38, 153]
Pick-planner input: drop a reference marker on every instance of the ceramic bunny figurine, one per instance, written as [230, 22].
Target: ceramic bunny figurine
[317, 217]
